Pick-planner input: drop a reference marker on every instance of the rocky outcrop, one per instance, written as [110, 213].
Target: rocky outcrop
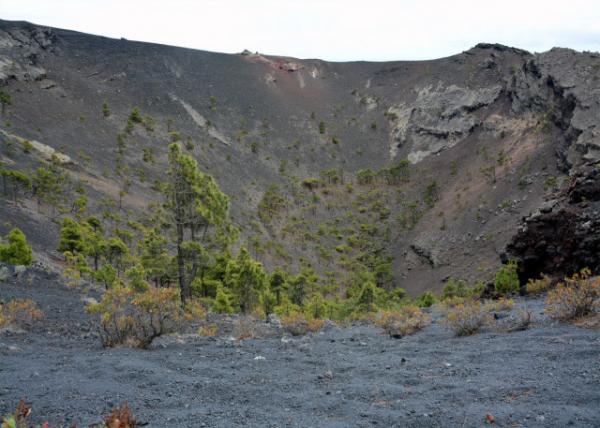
[20, 49]
[439, 118]
[563, 85]
[563, 236]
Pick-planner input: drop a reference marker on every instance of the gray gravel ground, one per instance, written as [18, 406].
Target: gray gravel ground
[547, 376]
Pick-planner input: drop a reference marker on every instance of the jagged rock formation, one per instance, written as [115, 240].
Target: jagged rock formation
[563, 236]
[485, 131]
[439, 118]
[20, 48]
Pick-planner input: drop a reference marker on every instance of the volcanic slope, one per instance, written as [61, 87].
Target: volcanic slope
[421, 169]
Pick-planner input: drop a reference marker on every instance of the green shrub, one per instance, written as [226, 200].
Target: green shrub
[4, 99]
[311, 183]
[321, 127]
[136, 116]
[367, 297]
[459, 288]
[271, 204]
[222, 303]
[27, 146]
[425, 300]
[431, 194]
[507, 280]
[17, 251]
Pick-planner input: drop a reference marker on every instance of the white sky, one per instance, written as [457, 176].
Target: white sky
[336, 30]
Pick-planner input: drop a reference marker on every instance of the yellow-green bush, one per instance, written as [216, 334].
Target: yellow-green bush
[209, 330]
[403, 322]
[540, 285]
[299, 324]
[467, 318]
[19, 312]
[502, 304]
[575, 297]
[136, 319]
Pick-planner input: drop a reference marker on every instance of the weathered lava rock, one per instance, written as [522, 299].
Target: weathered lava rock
[564, 237]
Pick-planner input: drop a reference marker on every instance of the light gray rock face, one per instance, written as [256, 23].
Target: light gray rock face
[561, 87]
[20, 48]
[440, 117]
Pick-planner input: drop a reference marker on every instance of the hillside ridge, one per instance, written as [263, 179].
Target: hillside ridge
[487, 133]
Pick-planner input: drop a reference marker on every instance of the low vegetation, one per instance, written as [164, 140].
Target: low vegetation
[20, 313]
[17, 250]
[299, 324]
[136, 319]
[540, 285]
[119, 417]
[507, 280]
[403, 322]
[467, 318]
[499, 305]
[575, 297]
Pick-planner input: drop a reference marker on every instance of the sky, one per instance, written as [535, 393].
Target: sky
[334, 30]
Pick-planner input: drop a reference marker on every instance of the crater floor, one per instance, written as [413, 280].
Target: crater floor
[547, 376]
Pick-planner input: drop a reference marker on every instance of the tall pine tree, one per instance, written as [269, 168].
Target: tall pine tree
[198, 212]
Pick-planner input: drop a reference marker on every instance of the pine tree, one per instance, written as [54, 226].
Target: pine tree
[48, 184]
[247, 279]
[17, 251]
[302, 285]
[366, 298]
[277, 283]
[195, 205]
[222, 304]
[97, 244]
[5, 100]
[155, 258]
[72, 237]
[16, 179]
[116, 250]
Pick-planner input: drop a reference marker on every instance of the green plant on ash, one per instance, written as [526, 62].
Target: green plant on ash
[247, 279]
[507, 279]
[321, 127]
[15, 182]
[198, 212]
[17, 250]
[5, 100]
[105, 109]
[271, 204]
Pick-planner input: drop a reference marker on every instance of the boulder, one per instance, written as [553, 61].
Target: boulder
[563, 236]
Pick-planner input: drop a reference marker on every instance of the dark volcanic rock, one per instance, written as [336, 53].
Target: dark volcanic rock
[564, 235]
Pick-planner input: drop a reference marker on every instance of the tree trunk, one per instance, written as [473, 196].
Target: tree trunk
[184, 289]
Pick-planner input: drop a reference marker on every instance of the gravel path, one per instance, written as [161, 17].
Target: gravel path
[547, 376]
